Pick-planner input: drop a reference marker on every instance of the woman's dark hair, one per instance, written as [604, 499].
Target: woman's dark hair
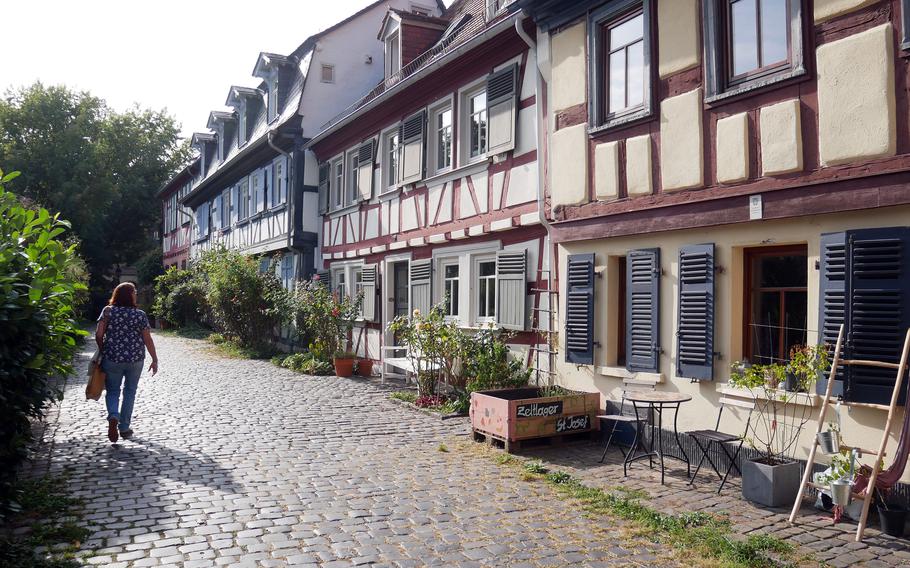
[124, 295]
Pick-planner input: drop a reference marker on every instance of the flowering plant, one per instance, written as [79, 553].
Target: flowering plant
[326, 316]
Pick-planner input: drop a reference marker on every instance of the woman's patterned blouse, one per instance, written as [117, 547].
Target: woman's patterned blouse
[123, 337]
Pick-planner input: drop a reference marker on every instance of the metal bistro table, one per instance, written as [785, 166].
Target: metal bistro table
[655, 402]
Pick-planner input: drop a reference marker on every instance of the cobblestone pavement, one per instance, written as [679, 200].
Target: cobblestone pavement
[241, 463]
[814, 532]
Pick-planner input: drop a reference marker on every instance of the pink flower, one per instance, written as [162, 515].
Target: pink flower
[335, 312]
[316, 277]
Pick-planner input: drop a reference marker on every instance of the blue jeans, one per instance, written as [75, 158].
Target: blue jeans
[116, 373]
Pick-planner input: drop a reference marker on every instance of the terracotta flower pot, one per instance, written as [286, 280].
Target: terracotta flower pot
[365, 367]
[344, 367]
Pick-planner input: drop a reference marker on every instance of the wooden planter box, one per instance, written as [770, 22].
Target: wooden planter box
[513, 415]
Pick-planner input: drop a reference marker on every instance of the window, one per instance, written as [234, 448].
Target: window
[391, 147]
[353, 169]
[287, 271]
[486, 290]
[216, 213]
[751, 43]
[476, 131]
[775, 295]
[450, 289]
[441, 138]
[279, 183]
[257, 192]
[337, 182]
[496, 6]
[620, 76]
[226, 207]
[328, 73]
[357, 277]
[202, 221]
[241, 125]
[338, 278]
[272, 100]
[392, 54]
[243, 201]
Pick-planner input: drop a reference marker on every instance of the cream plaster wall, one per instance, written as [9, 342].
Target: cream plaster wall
[569, 165]
[677, 36]
[681, 146]
[856, 99]
[568, 67]
[733, 148]
[862, 426]
[638, 165]
[781, 138]
[606, 171]
[827, 9]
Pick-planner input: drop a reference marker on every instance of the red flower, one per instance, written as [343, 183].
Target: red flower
[335, 312]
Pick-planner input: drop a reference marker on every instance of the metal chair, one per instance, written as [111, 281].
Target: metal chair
[704, 439]
[625, 416]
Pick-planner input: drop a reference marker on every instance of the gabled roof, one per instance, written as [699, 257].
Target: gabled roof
[412, 18]
[202, 138]
[184, 174]
[267, 60]
[236, 92]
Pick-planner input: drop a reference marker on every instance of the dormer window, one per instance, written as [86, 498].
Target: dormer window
[241, 130]
[273, 99]
[494, 7]
[393, 53]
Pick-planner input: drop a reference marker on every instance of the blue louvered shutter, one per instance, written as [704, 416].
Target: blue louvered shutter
[695, 317]
[879, 311]
[580, 309]
[642, 310]
[832, 304]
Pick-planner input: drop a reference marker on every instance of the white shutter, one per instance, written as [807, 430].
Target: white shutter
[511, 292]
[502, 88]
[365, 156]
[421, 290]
[412, 139]
[368, 280]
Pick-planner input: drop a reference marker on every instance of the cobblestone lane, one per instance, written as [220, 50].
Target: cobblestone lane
[239, 462]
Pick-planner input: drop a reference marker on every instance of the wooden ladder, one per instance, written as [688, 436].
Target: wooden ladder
[876, 468]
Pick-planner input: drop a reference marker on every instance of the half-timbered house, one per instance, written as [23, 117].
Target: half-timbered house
[256, 189]
[177, 218]
[727, 179]
[428, 183]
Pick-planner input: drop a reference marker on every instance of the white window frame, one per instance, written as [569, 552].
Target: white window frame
[476, 261]
[288, 262]
[279, 182]
[384, 157]
[272, 99]
[442, 264]
[336, 183]
[241, 124]
[243, 199]
[436, 109]
[226, 207]
[464, 121]
[357, 284]
[327, 67]
[339, 281]
[392, 65]
[351, 193]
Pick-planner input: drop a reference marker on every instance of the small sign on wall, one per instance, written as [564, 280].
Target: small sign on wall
[755, 211]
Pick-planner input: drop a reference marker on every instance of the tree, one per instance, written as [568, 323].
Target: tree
[98, 167]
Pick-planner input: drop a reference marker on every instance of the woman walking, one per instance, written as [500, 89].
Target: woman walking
[123, 336]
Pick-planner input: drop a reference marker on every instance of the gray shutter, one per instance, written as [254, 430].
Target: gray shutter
[368, 279]
[365, 156]
[411, 135]
[323, 188]
[511, 293]
[643, 310]
[325, 278]
[695, 316]
[833, 305]
[502, 92]
[421, 285]
[580, 309]
[879, 312]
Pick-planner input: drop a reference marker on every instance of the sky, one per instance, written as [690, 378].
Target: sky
[179, 55]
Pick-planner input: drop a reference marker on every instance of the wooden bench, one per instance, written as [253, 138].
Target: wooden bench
[401, 363]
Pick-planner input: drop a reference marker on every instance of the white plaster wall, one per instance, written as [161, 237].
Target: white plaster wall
[678, 28]
[567, 86]
[681, 141]
[827, 9]
[606, 171]
[522, 184]
[569, 165]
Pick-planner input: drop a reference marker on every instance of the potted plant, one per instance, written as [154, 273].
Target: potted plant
[365, 367]
[892, 517]
[839, 477]
[772, 478]
[328, 317]
[829, 440]
[344, 363]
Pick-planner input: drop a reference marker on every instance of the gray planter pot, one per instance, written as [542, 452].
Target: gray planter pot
[770, 485]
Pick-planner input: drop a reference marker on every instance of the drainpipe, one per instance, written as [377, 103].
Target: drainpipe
[539, 93]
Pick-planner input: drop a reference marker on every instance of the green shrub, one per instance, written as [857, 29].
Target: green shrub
[406, 396]
[490, 365]
[38, 331]
[324, 318]
[246, 304]
[307, 363]
[180, 298]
